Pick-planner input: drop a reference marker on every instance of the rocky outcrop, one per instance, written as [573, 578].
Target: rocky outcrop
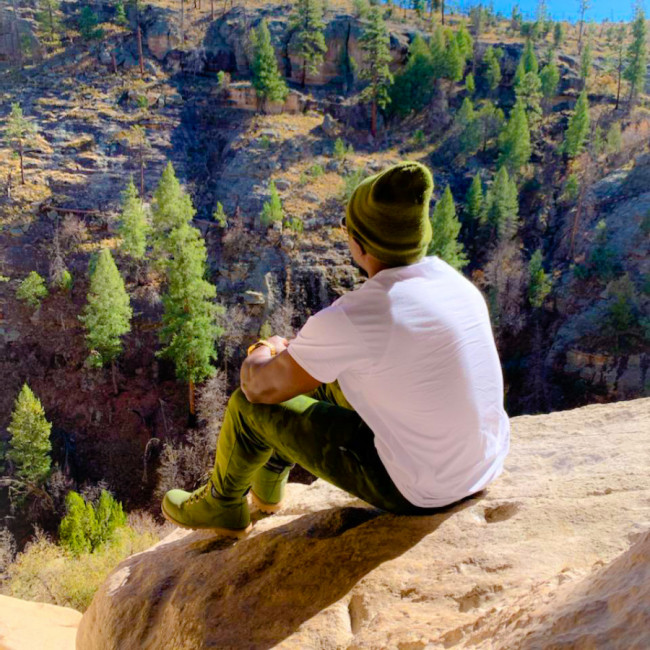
[160, 30]
[16, 34]
[519, 566]
[25, 625]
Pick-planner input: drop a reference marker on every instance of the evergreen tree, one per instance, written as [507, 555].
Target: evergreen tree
[514, 140]
[133, 226]
[558, 35]
[490, 120]
[49, 19]
[29, 445]
[307, 20]
[586, 61]
[189, 330]
[87, 23]
[502, 207]
[540, 284]
[107, 315]
[19, 133]
[272, 209]
[446, 227]
[465, 43]
[578, 128]
[78, 525]
[529, 59]
[413, 87]
[109, 516]
[267, 80]
[475, 200]
[636, 61]
[375, 45]
[520, 73]
[32, 290]
[469, 134]
[120, 14]
[529, 92]
[453, 60]
[470, 84]
[438, 48]
[616, 43]
[550, 78]
[613, 141]
[492, 69]
[172, 208]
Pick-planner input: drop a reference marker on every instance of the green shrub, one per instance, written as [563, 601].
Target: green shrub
[45, 572]
[272, 209]
[265, 142]
[351, 181]
[219, 216]
[316, 171]
[295, 224]
[32, 290]
[341, 151]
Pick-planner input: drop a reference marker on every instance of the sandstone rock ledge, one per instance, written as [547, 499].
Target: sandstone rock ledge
[556, 554]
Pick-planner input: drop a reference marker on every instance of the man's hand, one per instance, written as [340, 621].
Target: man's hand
[270, 379]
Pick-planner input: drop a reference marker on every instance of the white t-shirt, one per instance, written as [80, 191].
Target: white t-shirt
[414, 354]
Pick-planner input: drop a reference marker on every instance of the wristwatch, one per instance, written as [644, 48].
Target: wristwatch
[262, 343]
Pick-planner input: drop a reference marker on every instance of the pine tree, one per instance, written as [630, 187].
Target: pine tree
[107, 315]
[578, 128]
[87, 23]
[438, 47]
[29, 444]
[133, 226]
[490, 120]
[49, 19]
[307, 20]
[502, 207]
[375, 45]
[550, 78]
[172, 208]
[469, 134]
[109, 516]
[514, 140]
[414, 84]
[475, 200]
[583, 6]
[272, 209]
[267, 80]
[470, 84]
[32, 290]
[453, 61]
[120, 14]
[613, 141]
[558, 35]
[446, 227]
[465, 43]
[616, 42]
[492, 69]
[19, 133]
[78, 525]
[520, 73]
[586, 61]
[635, 70]
[529, 59]
[540, 284]
[189, 330]
[529, 92]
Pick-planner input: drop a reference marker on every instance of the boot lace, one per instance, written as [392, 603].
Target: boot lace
[197, 495]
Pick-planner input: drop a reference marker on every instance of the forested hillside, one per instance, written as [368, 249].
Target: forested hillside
[172, 180]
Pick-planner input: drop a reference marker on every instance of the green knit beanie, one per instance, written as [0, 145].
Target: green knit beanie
[388, 213]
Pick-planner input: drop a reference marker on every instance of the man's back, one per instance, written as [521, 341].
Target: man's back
[414, 354]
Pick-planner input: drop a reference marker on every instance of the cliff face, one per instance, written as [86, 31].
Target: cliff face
[519, 566]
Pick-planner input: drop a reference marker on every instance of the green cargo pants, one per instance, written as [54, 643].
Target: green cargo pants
[320, 431]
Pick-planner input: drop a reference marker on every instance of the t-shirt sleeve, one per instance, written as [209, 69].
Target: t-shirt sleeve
[327, 345]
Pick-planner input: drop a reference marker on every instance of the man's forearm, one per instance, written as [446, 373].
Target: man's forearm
[249, 373]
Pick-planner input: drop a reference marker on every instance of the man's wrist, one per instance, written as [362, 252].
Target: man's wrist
[262, 344]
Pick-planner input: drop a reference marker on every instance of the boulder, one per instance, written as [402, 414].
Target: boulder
[529, 563]
[160, 30]
[24, 625]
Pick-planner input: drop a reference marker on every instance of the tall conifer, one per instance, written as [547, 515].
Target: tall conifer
[636, 61]
[474, 200]
[107, 315]
[502, 207]
[375, 45]
[492, 69]
[267, 80]
[189, 330]
[29, 445]
[307, 20]
[133, 223]
[514, 140]
[578, 128]
[529, 59]
[446, 227]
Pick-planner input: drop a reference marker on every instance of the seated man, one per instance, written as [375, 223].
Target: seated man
[394, 393]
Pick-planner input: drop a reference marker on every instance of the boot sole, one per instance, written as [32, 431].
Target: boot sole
[262, 506]
[237, 533]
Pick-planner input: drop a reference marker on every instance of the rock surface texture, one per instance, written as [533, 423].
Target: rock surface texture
[554, 554]
[27, 626]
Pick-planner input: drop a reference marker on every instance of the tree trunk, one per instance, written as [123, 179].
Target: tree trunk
[211, 9]
[373, 120]
[140, 52]
[618, 88]
[582, 23]
[442, 12]
[51, 21]
[114, 61]
[191, 397]
[22, 168]
[114, 376]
